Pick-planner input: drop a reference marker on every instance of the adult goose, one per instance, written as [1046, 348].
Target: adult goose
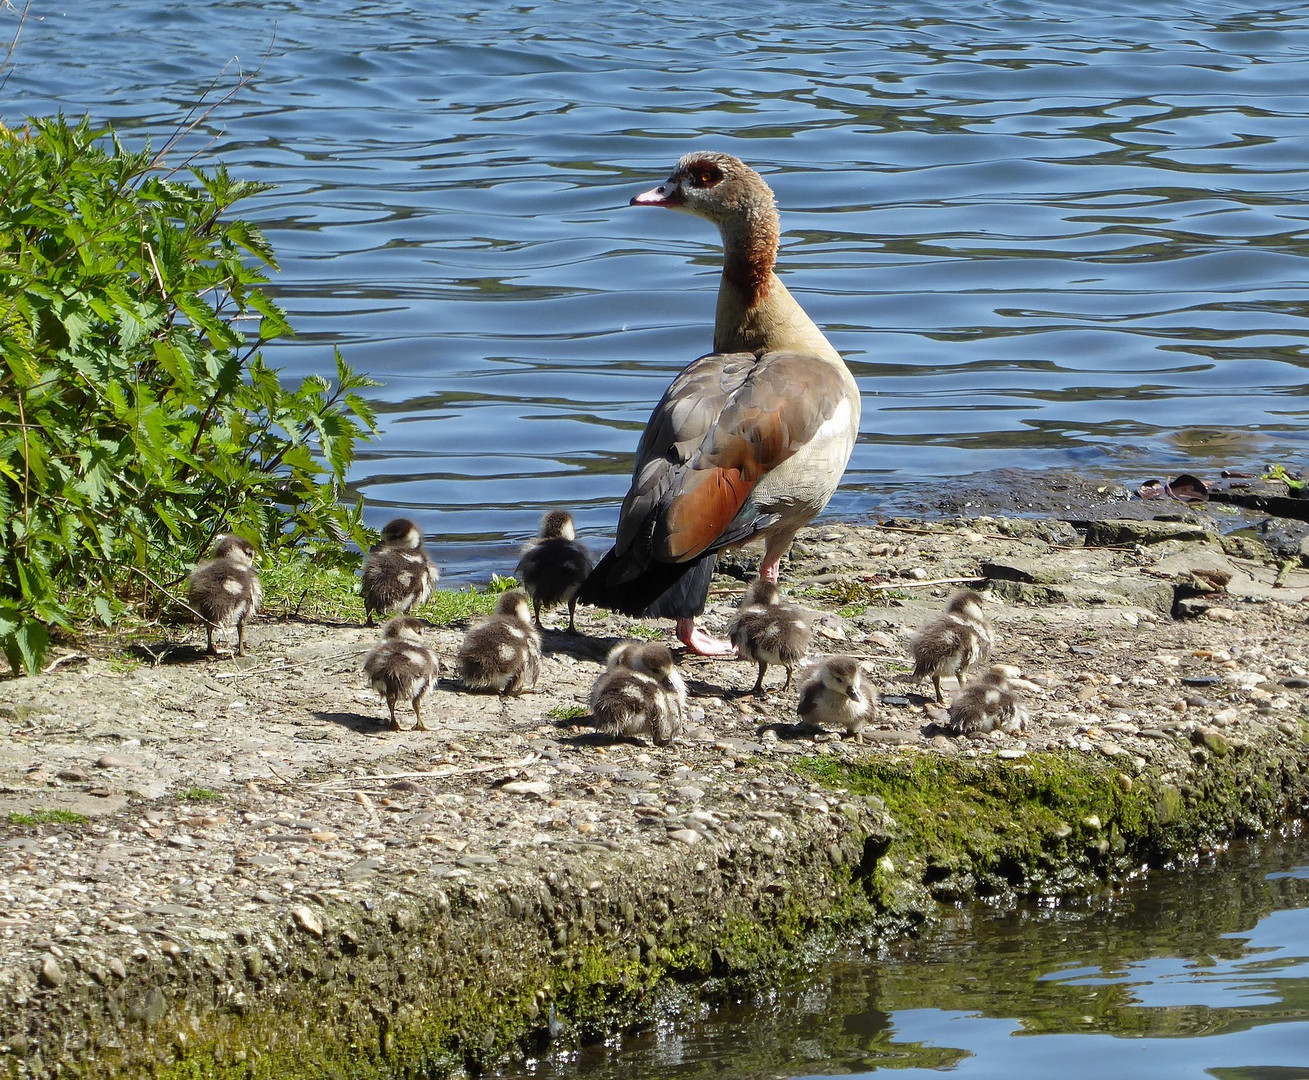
[750, 441]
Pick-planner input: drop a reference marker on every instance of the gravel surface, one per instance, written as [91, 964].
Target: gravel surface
[223, 794]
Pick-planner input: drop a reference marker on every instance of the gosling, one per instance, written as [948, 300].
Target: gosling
[225, 591]
[502, 654]
[836, 692]
[988, 704]
[639, 693]
[952, 643]
[398, 574]
[553, 566]
[768, 631]
[401, 666]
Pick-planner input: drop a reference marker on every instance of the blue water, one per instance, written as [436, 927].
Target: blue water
[1045, 235]
[1197, 974]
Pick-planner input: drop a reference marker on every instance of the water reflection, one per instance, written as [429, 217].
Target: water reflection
[1196, 973]
[1044, 235]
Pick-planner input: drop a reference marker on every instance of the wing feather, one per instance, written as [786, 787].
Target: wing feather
[726, 421]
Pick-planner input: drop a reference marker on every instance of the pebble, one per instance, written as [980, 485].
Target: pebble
[307, 919]
[51, 974]
[526, 787]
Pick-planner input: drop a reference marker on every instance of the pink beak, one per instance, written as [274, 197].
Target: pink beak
[669, 194]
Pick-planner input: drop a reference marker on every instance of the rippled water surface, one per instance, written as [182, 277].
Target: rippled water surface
[1201, 974]
[1044, 235]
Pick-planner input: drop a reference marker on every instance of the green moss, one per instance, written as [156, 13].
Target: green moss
[1041, 824]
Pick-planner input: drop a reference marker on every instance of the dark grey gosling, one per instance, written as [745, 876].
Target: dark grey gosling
[553, 566]
[988, 704]
[640, 692]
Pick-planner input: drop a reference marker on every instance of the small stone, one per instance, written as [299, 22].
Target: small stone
[1212, 740]
[526, 787]
[689, 837]
[307, 920]
[51, 974]
[1220, 614]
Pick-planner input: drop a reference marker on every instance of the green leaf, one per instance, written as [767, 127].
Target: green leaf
[26, 646]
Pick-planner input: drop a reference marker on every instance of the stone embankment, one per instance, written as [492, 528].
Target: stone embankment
[233, 868]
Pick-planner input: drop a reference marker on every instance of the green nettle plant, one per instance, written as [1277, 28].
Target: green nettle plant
[137, 416]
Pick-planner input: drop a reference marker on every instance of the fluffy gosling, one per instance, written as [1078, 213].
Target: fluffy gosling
[401, 666]
[225, 590]
[988, 704]
[640, 692]
[837, 693]
[398, 573]
[952, 643]
[553, 566]
[768, 631]
[502, 654]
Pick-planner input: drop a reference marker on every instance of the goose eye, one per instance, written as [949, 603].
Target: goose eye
[704, 176]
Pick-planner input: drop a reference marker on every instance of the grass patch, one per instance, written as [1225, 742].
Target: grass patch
[448, 606]
[644, 632]
[568, 712]
[47, 817]
[303, 586]
[199, 795]
[500, 584]
[300, 584]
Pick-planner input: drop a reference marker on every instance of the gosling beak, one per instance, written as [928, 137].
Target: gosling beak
[853, 694]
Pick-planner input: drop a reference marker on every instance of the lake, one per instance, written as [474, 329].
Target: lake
[1195, 974]
[1046, 236]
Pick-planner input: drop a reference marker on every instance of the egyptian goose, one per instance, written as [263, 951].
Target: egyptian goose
[502, 653]
[639, 693]
[225, 591]
[836, 692]
[398, 573]
[554, 565]
[401, 666]
[750, 441]
[988, 704]
[768, 631]
[952, 643]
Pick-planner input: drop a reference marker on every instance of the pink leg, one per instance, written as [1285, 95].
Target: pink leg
[770, 569]
[700, 643]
